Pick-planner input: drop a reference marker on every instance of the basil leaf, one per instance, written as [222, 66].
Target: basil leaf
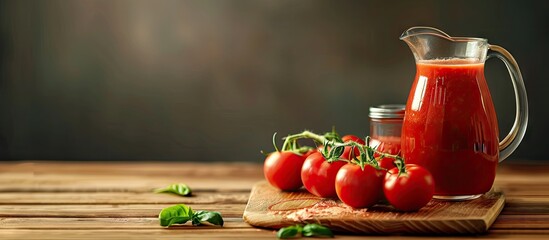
[316, 230]
[205, 216]
[177, 188]
[175, 220]
[177, 214]
[289, 232]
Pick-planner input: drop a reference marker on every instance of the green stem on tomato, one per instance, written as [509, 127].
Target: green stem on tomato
[290, 142]
[306, 134]
[332, 142]
[274, 142]
[400, 164]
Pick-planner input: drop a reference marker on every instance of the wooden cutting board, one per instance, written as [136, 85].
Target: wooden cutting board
[271, 208]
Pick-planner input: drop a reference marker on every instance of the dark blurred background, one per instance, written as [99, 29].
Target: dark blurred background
[212, 80]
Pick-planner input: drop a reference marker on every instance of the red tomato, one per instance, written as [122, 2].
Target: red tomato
[318, 175]
[283, 170]
[411, 190]
[347, 152]
[353, 138]
[359, 188]
[310, 152]
[390, 145]
[386, 163]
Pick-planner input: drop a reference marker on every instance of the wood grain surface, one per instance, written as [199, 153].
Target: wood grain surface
[100, 200]
[271, 208]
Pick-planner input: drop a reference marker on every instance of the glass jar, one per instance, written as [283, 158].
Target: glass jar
[385, 128]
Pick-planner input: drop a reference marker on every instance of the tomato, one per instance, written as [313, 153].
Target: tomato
[318, 175]
[283, 170]
[411, 190]
[385, 163]
[310, 152]
[385, 144]
[359, 188]
[347, 152]
[353, 138]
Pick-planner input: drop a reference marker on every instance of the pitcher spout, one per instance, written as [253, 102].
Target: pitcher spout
[427, 43]
[419, 31]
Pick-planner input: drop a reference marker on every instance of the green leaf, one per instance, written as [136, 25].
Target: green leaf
[325, 150]
[363, 154]
[289, 232]
[174, 220]
[200, 217]
[316, 230]
[176, 188]
[337, 151]
[177, 214]
[371, 158]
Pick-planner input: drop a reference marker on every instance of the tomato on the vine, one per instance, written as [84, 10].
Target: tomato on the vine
[347, 152]
[310, 152]
[409, 190]
[359, 188]
[353, 138]
[388, 145]
[283, 170]
[318, 175]
[385, 163]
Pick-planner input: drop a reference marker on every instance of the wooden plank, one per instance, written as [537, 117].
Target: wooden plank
[183, 232]
[506, 233]
[202, 197]
[197, 169]
[28, 182]
[152, 210]
[525, 206]
[523, 189]
[104, 223]
[143, 177]
[220, 233]
[107, 211]
[503, 222]
[270, 208]
[523, 167]
[522, 179]
[193, 169]
[522, 222]
[178, 169]
[121, 198]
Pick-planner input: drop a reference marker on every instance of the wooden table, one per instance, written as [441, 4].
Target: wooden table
[105, 200]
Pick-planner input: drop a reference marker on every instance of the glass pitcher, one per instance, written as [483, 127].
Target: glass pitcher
[450, 124]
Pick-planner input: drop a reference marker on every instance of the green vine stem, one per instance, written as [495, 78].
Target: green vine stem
[334, 147]
[400, 164]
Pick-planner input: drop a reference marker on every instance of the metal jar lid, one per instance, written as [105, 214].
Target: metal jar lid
[387, 111]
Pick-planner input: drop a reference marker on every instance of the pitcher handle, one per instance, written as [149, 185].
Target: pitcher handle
[508, 145]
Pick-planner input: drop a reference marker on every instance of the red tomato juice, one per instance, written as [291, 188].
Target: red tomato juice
[450, 126]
